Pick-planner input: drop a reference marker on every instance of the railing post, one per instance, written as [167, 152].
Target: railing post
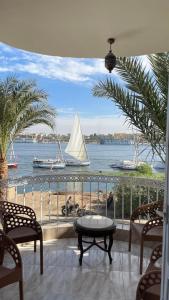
[148, 194]
[90, 196]
[114, 208]
[74, 194]
[15, 193]
[98, 195]
[24, 195]
[33, 198]
[49, 203]
[82, 194]
[139, 198]
[157, 194]
[139, 201]
[41, 206]
[122, 205]
[65, 192]
[131, 199]
[57, 207]
[106, 199]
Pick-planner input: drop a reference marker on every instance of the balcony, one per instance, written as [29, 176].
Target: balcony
[46, 194]
[63, 277]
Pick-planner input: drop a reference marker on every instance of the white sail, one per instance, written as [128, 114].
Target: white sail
[76, 146]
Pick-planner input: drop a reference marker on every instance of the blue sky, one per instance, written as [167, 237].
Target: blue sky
[68, 82]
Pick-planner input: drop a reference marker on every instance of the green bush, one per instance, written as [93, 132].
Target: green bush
[145, 169]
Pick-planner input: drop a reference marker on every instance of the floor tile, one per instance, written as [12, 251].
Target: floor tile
[64, 279]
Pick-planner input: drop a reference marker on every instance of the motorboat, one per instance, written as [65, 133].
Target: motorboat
[57, 163]
[48, 163]
[130, 164]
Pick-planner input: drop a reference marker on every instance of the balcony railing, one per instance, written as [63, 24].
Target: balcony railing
[47, 194]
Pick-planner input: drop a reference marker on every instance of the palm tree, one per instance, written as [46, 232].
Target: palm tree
[141, 94]
[22, 105]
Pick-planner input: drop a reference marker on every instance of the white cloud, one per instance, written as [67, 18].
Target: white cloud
[65, 69]
[5, 48]
[66, 110]
[97, 124]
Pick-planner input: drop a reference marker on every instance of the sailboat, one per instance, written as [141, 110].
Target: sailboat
[76, 147]
[57, 163]
[12, 159]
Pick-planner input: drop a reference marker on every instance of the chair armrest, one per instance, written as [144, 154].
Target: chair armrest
[146, 210]
[13, 221]
[148, 280]
[158, 221]
[18, 209]
[7, 244]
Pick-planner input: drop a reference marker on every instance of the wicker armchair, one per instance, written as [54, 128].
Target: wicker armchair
[14, 274]
[19, 223]
[149, 284]
[150, 230]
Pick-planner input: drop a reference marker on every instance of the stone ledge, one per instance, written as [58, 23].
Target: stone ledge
[67, 231]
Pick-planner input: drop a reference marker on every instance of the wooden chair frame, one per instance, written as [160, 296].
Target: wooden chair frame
[152, 276]
[148, 211]
[10, 275]
[15, 217]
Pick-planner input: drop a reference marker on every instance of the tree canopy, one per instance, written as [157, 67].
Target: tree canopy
[141, 94]
[22, 105]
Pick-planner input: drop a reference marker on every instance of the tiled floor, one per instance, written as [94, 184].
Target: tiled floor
[63, 279]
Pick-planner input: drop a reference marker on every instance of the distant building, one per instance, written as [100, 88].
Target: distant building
[25, 140]
[106, 141]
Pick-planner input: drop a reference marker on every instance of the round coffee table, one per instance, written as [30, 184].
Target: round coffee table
[94, 226]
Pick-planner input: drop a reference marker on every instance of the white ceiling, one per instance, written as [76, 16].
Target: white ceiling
[80, 28]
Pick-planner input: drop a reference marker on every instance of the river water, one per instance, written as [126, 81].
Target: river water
[101, 157]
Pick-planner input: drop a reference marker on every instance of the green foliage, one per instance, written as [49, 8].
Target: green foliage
[141, 94]
[22, 105]
[139, 197]
[145, 169]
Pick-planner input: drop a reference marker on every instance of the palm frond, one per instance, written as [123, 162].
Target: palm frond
[141, 95]
[22, 105]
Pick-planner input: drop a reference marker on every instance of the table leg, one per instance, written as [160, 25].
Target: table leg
[110, 246]
[80, 247]
[105, 244]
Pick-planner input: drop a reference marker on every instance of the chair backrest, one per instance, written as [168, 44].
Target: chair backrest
[152, 276]
[16, 209]
[147, 211]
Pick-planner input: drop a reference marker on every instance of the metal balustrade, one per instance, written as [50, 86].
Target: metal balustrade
[46, 194]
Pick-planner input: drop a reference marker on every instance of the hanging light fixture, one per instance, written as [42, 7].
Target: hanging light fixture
[110, 58]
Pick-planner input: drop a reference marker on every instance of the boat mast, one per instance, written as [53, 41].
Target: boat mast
[12, 154]
[60, 151]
